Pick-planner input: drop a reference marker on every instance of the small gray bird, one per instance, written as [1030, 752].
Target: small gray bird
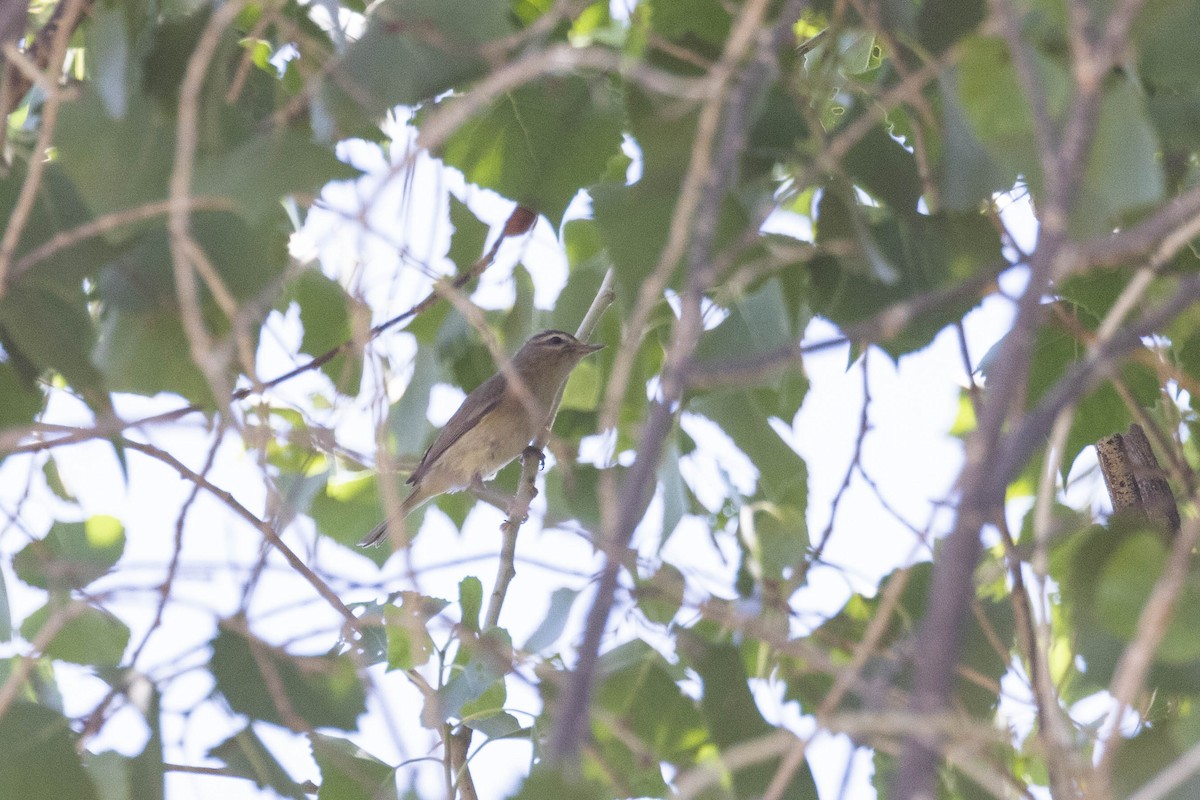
[494, 423]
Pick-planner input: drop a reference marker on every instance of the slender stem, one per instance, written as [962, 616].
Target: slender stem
[458, 744]
[531, 462]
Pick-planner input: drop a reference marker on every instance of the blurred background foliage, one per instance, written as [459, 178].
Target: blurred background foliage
[149, 197]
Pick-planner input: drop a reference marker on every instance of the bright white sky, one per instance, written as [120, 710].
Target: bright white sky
[908, 453]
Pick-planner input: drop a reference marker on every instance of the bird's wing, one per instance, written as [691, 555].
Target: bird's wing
[478, 403]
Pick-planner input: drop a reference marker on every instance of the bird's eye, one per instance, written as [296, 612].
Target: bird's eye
[557, 340]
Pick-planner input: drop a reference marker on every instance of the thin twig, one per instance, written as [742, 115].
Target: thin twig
[1151, 628]
[262, 526]
[37, 164]
[58, 619]
[39, 55]
[107, 223]
[183, 247]
[459, 743]
[715, 155]
[984, 476]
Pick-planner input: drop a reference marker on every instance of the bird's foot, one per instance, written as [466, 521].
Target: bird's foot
[535, 452]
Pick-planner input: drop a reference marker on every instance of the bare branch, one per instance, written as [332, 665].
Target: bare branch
[720, 137]
[107, 223]
[321, 587]
[530, 463]
[72, 11]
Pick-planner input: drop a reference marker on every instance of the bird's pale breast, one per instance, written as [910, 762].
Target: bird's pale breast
[482, 450]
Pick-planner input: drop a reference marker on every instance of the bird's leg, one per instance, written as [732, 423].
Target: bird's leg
[477, 484]
[535, 452]
[540, 455]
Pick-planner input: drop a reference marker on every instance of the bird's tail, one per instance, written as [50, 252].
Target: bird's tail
[380, 531]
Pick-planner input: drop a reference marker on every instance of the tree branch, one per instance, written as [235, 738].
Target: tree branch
[263, 527]
[711, 172]
[72, 12]
[984, 477]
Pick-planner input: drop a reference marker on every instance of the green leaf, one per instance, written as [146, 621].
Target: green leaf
[109, 772]
[758, 322]
[257, 174]
[1101, 411]
[733, 717]
[633, 221]
[1164, 33]
[882, 166]
[350, 773]
[940, 23]
[142, 347]
[705, 19]
[72, 554]
[58, 207]
[1147, 755]
[674, 492]
[317, 691]
[149, 353]
[113, 72]
[576, 494]
[470, 600]
[922, 253]
[350, 507]
[248, 258]
[584, 387]
[54, 331]
[778, 130]
[541, 143]
[146, 770]
[40, 761]
[776, 538]
[477, 685]
[55, 483]
[325, 316]
[408, 420]
[640, 688]
[995, 104]
[1124, 587]
[518, 322]
[245, 756]
[1126, 581]
[554, 622]
[408, 642]
[20, 400]
[469, 237]
[487, 710]
[584, 247]
[966, 173]
[661, 595]
[372, 641]
[412, 51]
[980, 657]
[93, 636]
[116, 163]
[1124, 169]
[497, 725]
[979, 648]
[783, 476]
[545, 783]
[6, 628]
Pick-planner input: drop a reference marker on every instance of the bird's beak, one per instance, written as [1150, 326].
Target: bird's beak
[587, 349]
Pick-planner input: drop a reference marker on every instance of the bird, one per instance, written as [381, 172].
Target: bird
[495, 422]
